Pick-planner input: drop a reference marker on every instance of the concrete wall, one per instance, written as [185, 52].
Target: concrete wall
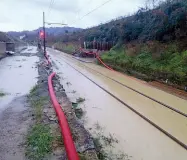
[2, 49]
[10, 46]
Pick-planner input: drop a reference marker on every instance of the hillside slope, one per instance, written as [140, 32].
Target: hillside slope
[150, 44]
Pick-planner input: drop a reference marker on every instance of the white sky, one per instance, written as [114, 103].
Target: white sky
[18, 15]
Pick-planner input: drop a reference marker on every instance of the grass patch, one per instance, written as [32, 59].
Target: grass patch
[82, 156]
[68, 48]
[38, 104]
[39, 142]
[39, 138]
[109, 140]
[104, 145]
[103, 154]
[171, 64]
[33, 89]
[2, 94]
[99, 149]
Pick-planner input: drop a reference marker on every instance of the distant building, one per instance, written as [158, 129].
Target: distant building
[6, 43]
[9, 43]
[2, 48]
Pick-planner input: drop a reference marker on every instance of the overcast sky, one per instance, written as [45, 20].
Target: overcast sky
[18, 15]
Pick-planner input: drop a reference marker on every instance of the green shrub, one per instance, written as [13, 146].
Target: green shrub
[39, 142]
[171, 65]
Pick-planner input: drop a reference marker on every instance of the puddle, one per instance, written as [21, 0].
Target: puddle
[30, 49]
[18, 79]
[136, 139]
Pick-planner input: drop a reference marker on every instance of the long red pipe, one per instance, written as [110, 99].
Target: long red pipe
[66, 133]
[97, 56]
[104, 63]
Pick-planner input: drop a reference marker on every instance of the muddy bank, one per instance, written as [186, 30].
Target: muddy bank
[83, 140]
[14, 123]
[47, 117]
[2, 55]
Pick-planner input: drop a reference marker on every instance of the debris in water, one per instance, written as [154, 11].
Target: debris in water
[79, 100]
[79, 112]
[74, 105]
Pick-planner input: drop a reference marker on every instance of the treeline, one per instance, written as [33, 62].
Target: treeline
[151, 44]
[165, 22]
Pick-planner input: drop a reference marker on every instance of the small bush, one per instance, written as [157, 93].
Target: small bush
[2, 94]
[39, 142]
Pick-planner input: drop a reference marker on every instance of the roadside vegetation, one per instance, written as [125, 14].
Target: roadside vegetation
[66, 47]
[2, 94]
[104, 145]
[169, 64]
[151, 42]
[77, 109]
[39, 138]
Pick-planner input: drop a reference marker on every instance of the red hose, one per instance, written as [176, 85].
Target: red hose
[98, 59]
[104, 63]
[66, 133]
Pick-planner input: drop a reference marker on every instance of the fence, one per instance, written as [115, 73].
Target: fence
[98, 45]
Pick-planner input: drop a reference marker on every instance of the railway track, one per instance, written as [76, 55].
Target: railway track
[159, 102]
[130, 107]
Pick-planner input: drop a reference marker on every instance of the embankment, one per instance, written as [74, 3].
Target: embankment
[44, 138]
[170, 66]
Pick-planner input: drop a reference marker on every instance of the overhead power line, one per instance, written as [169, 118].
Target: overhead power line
[50, 7]
[83, 6]
[94, 9]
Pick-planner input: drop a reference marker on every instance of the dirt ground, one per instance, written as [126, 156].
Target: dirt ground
[14, 123]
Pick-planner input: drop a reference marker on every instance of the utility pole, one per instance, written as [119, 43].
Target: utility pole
[44, 33]
[44, 41]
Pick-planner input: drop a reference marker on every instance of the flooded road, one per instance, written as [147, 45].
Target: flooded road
[30, 49]
[135, 136]
[18, 74]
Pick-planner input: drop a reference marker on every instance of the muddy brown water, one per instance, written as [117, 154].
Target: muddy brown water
[136, 137]
[18, 74]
